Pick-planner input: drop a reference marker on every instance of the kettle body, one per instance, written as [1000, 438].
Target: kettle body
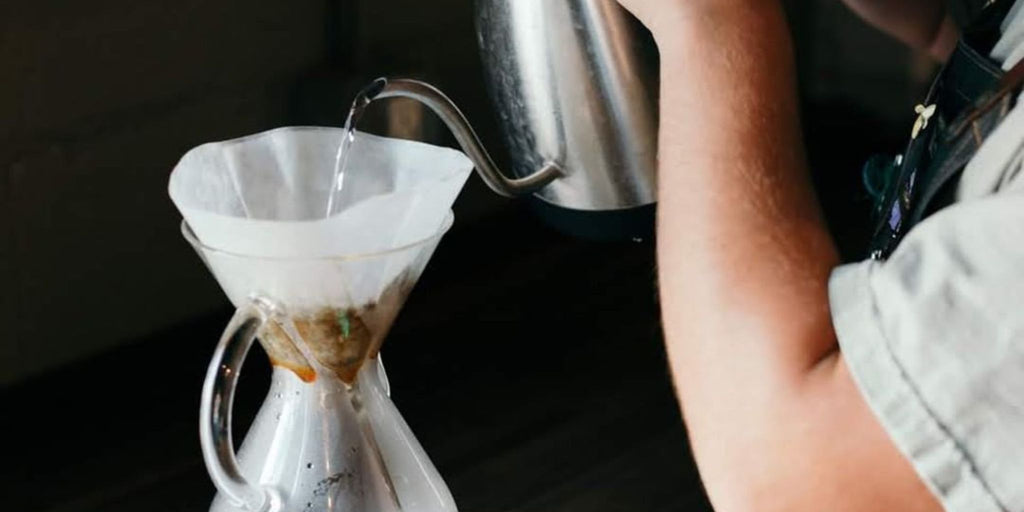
[574, 82]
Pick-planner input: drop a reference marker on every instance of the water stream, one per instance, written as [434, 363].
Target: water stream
[348, 136]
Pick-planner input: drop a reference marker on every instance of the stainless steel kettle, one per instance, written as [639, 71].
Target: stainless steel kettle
[575, 86]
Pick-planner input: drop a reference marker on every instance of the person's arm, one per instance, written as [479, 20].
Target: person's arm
[926, 25]
[775, 420]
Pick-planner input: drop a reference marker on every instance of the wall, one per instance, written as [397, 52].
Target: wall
[98, 101]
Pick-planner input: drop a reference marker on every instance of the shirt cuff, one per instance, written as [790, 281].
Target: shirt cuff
[895, 400]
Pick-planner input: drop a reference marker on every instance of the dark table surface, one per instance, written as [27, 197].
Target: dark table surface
[528, 363]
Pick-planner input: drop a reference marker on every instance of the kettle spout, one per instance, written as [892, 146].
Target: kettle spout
[464, 134]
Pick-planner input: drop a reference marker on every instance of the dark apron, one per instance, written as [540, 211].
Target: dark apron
[967, 101]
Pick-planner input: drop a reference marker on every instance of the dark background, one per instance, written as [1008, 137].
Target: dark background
[528, 363]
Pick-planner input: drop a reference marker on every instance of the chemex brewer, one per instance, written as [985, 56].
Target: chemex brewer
[317, 236]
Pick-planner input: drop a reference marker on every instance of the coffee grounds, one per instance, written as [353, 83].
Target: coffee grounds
[341, 339]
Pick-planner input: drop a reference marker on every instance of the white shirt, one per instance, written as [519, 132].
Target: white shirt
[934, 337]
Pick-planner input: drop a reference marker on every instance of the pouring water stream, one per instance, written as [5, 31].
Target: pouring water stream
[453, 118]
[348, 136]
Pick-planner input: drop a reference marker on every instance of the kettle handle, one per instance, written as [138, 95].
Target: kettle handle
[454, 119]
[215, 411]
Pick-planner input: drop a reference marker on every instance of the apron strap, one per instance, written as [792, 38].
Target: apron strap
[1010, 84]
[968, 100]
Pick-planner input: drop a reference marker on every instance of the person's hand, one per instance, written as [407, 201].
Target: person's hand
[926, 25]
[644, 10]
[650, 12]
[663, 17]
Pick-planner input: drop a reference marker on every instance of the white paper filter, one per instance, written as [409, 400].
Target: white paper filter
[265, 196]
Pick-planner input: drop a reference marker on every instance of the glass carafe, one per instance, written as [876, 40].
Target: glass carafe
[327, 437]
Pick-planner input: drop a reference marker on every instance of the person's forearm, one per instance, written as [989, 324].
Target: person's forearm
[923, 24]
[744, 255]
[743, 247]
[775, 420]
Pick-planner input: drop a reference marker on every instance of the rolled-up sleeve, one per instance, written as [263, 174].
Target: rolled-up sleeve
[934, 338]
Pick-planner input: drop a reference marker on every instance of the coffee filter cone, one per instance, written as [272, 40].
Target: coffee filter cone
[257, 205]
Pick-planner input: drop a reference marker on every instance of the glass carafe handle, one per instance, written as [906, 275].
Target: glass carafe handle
[215, 411]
